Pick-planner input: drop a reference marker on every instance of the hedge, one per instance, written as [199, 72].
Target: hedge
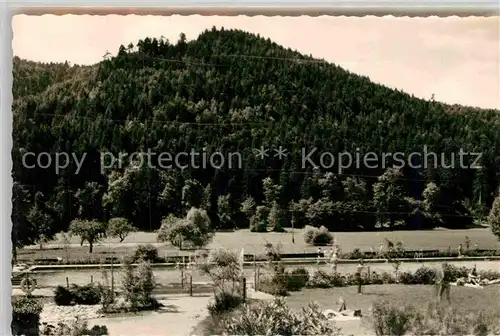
[26, 316]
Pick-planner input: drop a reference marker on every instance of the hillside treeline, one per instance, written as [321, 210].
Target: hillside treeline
[231, 91]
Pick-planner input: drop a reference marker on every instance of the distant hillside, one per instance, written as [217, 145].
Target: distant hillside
[232, 91]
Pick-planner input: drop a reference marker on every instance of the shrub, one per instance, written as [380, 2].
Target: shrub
[138, 285]
[224, 302]
[489, 274]
[63, 296]
[105, 292]
[78, 327]
[406, 278]
[424, 276]
[457, 272]
[26, 316]
[146, 252]
[317, 237]
[275, 318]
[86, 295]
[322, 279]
[297, 279]
[388, 319]
[276, 284]
[356, 254]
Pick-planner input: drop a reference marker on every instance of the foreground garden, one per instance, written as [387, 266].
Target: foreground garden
[383, 304]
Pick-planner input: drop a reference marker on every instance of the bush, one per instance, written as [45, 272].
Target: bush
[356, 254]
[406, 278]
[138, 285]
[388, 319]
[146, 252]
[297, 279]
[78, 327]
[489, 274]
[317, 237]
[86, 295]
[322, 279]
[63, 296]
[424, 276]
[26, 317]
[224, 302]
[275, 318]
[277, 284]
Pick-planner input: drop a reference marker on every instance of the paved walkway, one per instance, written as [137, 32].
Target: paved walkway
[179, 317]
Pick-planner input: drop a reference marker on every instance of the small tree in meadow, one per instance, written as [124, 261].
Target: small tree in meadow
[120, 228]
[194, 229]
[90, 231]
[317, 237]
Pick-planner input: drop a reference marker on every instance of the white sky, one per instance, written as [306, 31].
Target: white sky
[457, 59]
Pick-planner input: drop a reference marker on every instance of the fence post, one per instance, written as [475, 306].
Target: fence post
[244, 289]
[112, 278]
[67, 282]
[190, 285]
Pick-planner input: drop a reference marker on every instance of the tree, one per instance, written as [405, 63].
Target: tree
[194, 229]
[225, 211]
[271, 191]
[89, 200]
[248, 207]
[138, 284]
[259, 221]
[43, 223]
[23, 231]
[206, 203]
[494, 217]
[119, 227]
[276, 218]
[192, 194]
[90, 231]
[388, 197]
[222, 266]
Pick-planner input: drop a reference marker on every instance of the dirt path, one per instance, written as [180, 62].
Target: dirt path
[181, 314]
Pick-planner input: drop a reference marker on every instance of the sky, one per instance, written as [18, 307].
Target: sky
[456, 59]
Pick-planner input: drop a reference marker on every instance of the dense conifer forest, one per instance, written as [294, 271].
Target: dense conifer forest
[231, 91]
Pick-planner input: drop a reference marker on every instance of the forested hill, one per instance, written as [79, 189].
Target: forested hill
[232, 91]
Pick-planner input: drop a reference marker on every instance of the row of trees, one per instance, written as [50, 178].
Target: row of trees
[176, 97]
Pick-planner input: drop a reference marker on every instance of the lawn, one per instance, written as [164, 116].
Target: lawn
[464, 298]
[254, 242]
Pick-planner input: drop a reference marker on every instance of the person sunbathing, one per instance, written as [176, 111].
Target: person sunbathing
[473, 277]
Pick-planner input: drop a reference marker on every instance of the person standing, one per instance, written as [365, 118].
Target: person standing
[319, 255]
[443, 282]
[334, 260]
[460, 251]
